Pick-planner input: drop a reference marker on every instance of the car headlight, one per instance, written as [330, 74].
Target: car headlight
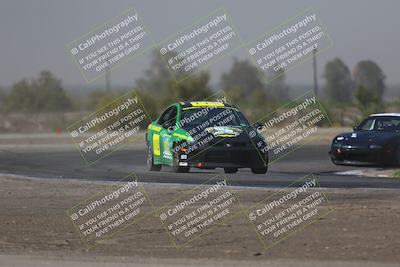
[339, 138]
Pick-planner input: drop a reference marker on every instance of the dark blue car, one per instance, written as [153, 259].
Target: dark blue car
[375, 141]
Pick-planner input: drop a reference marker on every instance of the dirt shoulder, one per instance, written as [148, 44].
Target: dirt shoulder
[374, 172]
[362, 228]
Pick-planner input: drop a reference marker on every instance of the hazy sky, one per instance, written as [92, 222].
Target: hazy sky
[34, 32]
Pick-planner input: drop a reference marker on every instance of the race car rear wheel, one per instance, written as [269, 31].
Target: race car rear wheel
[259, 170]
[230, 170]
[150, 160]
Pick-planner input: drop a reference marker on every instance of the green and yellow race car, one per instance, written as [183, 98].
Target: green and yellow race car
[205, 135]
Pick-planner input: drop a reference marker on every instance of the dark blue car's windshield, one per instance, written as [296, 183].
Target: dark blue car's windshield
[388, 124]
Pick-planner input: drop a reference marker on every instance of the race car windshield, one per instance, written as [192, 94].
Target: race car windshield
[387, 124]
[211, 117]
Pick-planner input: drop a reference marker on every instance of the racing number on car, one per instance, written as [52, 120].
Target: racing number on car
[156, 145]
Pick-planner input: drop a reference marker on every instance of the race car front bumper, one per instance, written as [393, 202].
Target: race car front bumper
[356, 155]
[225, 155]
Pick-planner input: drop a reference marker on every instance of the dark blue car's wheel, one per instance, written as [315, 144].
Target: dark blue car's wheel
[230, 170]
[397, 159]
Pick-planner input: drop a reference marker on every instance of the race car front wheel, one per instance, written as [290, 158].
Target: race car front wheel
[150, 160]
[261, 170]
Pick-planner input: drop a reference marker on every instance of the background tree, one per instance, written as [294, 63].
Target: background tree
[44, 94]
[369, 77]
[159, 85]
[277, 87]
[242, 80]
[368, 102]
[339, 85]
[21, 98]
[100, 99]
[157, 76]
[195, 87]
[49, 93]
[149, 102]
[247, 90]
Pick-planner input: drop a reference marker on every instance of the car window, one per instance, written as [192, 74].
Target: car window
[164, 116]
[367, 125]
[380, 124]
[168, 118]
[172, 117]
[387, 124]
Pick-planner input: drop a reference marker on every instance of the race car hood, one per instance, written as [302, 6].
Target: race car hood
[233, 134]
[366, 137]
[224, 131]
[215, 134]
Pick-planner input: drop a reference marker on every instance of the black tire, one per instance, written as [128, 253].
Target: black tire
[177, 168]
[334, 161]
[230, 170]
[150, 160]
[397, 163]
[262, 170]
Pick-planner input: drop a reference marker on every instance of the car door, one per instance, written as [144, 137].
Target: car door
[155, 132]
[168, 127]
[162, 143]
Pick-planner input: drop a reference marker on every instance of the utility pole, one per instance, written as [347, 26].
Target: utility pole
[315, 72]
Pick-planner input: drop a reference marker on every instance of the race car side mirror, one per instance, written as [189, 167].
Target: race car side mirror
[355, 128]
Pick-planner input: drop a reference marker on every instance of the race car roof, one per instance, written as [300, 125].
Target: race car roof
[204, 104]
[385, 114]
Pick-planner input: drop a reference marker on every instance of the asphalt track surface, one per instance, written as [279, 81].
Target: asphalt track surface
[68, 163]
